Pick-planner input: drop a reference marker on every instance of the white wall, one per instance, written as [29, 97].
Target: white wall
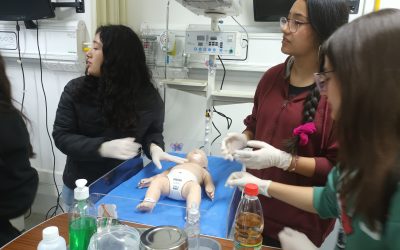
[369, 5]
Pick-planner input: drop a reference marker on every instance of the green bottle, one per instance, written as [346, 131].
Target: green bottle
[82, 220]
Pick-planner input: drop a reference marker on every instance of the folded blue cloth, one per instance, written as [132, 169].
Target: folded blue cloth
[214, 214]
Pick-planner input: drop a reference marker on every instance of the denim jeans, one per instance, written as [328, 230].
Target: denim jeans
[67, 196]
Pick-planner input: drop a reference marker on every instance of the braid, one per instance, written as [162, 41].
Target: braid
[309, 110]
[310, 105]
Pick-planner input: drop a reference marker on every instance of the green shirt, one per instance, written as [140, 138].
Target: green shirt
[326, 203]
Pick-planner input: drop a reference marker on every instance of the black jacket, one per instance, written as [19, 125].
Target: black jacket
[80, 129]
[18, 180]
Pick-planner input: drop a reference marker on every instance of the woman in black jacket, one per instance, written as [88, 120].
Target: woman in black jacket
[111, 113]
[18, 180]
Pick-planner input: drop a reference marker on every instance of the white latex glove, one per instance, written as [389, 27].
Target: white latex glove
[157, 154]
[240, 179]
[294, 240]
[122, 149]
[231, 143]
[266, 156]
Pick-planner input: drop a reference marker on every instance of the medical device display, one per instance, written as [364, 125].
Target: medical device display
[213, 43]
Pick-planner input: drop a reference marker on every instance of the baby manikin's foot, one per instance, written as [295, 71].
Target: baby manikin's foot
[146, 205]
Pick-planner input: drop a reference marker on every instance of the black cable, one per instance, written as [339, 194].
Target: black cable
[219, 133]
[22, 68]
[228, 121]
[47, 130]
[18, 28]
[223, 77]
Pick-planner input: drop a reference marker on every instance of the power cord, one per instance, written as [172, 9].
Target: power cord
[219, 133]
[228, 121]
[223, 77]
[18, 28]
[22, 67]
[55, 208]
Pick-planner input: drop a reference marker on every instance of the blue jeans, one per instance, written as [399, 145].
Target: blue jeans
[67, 196]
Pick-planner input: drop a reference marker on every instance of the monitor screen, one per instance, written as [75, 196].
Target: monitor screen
[24, 10]
[271, 10]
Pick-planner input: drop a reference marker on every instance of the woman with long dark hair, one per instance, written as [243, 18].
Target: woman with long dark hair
[18, 180]
[290, 120]
[111, 113]
[361, 78]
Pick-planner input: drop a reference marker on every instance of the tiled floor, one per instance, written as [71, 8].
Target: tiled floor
[33, 220]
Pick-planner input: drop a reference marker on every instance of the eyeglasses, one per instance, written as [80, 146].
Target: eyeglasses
[293, 24]
[321, 80]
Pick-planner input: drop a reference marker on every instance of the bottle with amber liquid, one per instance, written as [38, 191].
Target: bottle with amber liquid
[249, 221]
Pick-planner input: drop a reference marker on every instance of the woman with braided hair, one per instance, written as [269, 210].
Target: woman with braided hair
[290, 129]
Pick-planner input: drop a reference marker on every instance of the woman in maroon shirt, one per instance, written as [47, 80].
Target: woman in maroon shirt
[291, 122]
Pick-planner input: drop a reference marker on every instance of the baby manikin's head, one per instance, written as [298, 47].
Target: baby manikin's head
[198, 156]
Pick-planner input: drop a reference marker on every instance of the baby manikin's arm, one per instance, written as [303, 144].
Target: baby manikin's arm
[208, 184]
[145, 182]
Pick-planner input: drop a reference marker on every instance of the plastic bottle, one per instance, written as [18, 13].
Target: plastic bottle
[249, 220]
[52, 240]
[192, 226]
[82, 221]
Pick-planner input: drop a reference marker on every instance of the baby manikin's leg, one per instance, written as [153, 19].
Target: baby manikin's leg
[191, 191]
[159, 186]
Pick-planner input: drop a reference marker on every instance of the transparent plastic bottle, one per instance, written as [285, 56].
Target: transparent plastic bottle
[82, 220]
[52, 240]
[249, 220]
[192, 226]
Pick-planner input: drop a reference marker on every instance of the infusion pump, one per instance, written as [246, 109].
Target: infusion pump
[223, 43]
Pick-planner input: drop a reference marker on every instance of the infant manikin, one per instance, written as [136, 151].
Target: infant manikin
[182, 182]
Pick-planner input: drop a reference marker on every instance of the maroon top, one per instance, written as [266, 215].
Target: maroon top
[273, 119]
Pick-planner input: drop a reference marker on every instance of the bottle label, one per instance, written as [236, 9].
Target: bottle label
[239, 245]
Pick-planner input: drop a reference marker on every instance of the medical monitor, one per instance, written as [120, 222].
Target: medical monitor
[271, 10]
[25, 10]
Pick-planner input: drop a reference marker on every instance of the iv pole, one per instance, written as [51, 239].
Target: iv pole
[212, 70]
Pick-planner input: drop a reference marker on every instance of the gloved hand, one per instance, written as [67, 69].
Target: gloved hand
[157, 154]
[266, 156]
[122, 149]
[240, 179]
[232, 142]
[294, 240]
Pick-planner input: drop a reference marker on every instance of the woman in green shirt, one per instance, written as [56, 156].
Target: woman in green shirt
[361, 77]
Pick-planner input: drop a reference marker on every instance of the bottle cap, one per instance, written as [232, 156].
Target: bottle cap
[50, 233]
[81, 192]
[251, 189]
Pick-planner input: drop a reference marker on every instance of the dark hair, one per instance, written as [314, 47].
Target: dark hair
[125, 78]
[365, 56]
[6, 100]
[325, 17]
